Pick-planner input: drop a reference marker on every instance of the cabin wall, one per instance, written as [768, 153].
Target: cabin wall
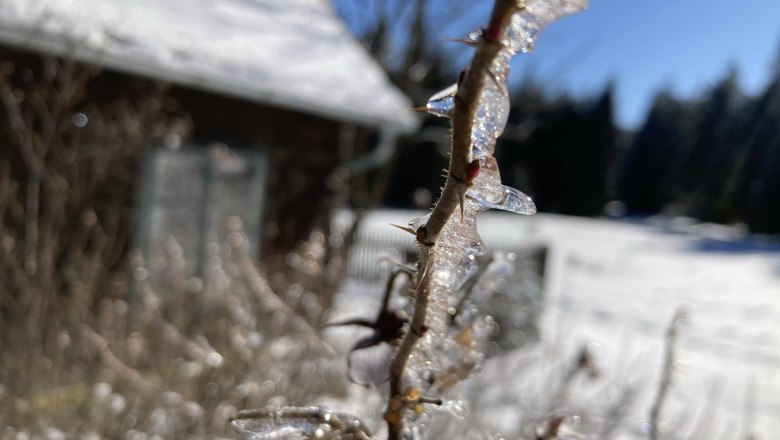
[300, 150]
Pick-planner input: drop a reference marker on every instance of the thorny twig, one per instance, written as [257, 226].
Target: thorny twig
[461, 173]
[466, 103]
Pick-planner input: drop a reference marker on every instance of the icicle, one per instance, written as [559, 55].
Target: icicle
[443, 103]
[512, 201]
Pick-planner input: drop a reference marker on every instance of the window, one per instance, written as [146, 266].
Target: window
[188, 196]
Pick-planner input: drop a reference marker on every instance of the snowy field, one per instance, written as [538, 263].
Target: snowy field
[616, 285]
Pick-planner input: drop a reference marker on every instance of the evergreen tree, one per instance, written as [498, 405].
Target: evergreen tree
[647, 180]
[560, 151]
[588, 158]
[758, 185]
[709, 160]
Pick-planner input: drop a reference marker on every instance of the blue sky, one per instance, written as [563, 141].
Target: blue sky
[645, 45]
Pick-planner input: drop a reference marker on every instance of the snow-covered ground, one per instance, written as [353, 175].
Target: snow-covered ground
[617, 284]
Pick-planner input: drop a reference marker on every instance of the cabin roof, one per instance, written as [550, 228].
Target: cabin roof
[294, 54]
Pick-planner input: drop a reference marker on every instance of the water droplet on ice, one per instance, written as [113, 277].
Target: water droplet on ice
[513, 201]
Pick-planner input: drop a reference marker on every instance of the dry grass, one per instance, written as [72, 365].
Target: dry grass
[90, 349]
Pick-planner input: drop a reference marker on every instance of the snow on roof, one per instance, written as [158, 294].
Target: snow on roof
[291, 53]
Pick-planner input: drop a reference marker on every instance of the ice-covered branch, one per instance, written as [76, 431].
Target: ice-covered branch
[478, 106]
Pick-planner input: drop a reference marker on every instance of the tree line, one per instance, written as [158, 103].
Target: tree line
[715, 157]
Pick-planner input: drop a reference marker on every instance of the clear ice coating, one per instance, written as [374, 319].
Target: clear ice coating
[297, 423]
[418, 221]
[490, 118]
[519, 36]
[489, 281]
[441, 107]
[547, 11]
[526, 24]
[512, 200]
[456, 407]
[469, 266]
[443, 103]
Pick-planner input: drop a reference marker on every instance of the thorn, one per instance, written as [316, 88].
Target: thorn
[422, 277]
[419, 109]
[466, 41]
[462, 200]
[405, 228]
[357, 321]
[472, 171]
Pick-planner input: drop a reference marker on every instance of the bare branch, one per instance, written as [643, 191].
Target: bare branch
[666, 373]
